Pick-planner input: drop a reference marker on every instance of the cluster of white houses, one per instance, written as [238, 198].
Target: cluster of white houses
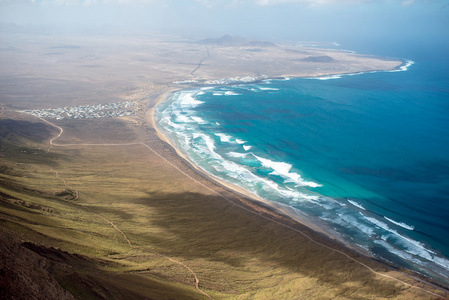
[223, 81]
[234, 80]
[117, 109]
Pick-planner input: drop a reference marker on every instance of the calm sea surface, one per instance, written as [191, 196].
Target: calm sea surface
[366, 156]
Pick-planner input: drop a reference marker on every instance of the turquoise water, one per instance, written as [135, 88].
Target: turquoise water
[366, 156]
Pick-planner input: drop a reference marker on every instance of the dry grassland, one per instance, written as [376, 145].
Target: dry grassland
[137, 219]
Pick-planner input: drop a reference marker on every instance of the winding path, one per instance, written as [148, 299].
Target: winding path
[51, 144]
[200, 63]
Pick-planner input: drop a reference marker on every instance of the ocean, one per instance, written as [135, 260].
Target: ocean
[365, 156]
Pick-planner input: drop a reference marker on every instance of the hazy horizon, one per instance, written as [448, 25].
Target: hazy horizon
[347, 22]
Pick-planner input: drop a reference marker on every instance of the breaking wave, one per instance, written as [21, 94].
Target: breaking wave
[403, 225]
[356, 204]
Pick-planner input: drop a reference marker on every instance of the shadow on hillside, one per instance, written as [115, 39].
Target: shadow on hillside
[13, 130]
[27, 142]
[31, 271]
[211, 228]
[106, 211]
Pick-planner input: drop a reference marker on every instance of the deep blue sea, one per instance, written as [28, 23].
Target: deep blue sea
[365, 156]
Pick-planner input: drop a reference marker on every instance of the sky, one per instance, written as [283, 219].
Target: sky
[343, 21]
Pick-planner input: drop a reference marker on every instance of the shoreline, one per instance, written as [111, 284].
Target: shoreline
[276, 207]
[151, 119]
[318, 232]
[279, 208]
[402, 67]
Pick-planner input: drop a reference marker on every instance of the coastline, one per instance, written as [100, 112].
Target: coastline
[275, 207]
[402, 67]
[318, 232]
[279, 208]
[314, 232]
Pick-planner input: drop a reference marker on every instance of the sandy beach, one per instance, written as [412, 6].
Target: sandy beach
[279, 209]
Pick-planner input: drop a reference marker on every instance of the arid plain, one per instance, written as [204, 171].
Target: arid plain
[103, 208]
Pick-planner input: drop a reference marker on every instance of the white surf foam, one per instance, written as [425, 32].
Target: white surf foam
[229, 93]
[377, 223]
[301, 197]
[186, 99]
[442, 262]
[412, 254]
[199, 120]
[356, 204]
[328, 77]
[354, 223]
[209, 142]
[183, 119]
[270, 186]
[254, 183]
[225, 138]
[236, 154]
[239, 141]
[283, 169]
[325, 204]
[397, 252]
[246, 147]
[414, 249]
[187, 141]
[405, 66]
[408, 64]
[279, 167]
[309, 197]
[420, 245]
[410, 245]
[403, 225]
[385, 227]
[268, 89]
[175, 126]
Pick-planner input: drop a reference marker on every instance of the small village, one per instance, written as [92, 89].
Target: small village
[224, 81]
[235, 80]
[117, 109]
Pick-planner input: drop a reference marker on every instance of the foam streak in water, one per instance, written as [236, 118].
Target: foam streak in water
[225, 138]
[283, 169]
[410, 246]
[356, 204]
[236, 154]
[403, 225]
